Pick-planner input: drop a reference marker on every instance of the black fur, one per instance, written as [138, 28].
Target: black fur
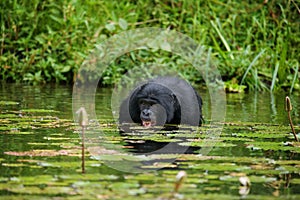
[162, 101]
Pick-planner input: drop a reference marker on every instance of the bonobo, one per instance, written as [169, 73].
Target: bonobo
[162, 101]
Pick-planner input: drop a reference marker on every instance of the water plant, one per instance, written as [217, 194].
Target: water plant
[244, 186]
[289, 108]
[40, 158]
[83, 122]
[179, 180]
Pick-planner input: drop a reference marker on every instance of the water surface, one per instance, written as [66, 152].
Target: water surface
[40, 151]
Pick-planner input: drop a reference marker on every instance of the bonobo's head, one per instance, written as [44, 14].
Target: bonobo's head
[152, 105]
[151, 112]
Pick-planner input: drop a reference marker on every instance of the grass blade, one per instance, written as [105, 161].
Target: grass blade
[295, 77]
[222, 38]
[274, 76]
[251, 64]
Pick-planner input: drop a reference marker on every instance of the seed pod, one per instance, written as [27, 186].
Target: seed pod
[82, 116]
[288, 105]
[179, 180]
[245, 181]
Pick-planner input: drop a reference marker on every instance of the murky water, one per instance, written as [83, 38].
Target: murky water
[259, 107]
[254, 107]
[40, 120]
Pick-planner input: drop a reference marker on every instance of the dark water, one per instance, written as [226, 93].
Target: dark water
[240, 108]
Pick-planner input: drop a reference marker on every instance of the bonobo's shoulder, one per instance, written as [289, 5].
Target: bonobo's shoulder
[168, 80]
[171, 81]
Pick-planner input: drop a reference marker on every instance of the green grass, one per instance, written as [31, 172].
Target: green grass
[255, 44]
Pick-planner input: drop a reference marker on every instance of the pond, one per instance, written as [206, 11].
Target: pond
[255, 157]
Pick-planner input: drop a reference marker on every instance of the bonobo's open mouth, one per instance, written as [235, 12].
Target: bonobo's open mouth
[148, 123]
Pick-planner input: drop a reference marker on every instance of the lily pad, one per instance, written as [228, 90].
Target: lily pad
[253, 179]
[38, 111]
[207, 143]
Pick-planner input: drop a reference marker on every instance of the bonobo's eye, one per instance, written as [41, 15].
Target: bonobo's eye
[148, 102]
[143, 102]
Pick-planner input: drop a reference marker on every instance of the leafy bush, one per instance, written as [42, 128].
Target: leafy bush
[256, 44]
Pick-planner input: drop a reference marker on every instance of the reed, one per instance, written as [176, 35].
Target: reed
[254, 43]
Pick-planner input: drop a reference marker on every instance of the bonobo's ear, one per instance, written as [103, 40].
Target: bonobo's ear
[135, 91]
[141, 87]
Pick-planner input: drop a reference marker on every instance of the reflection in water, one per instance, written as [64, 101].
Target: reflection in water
[49, 97]
[260, 108]
[151, 146]
[245, 107]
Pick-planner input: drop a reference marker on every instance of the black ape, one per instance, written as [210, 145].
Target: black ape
[162, 101]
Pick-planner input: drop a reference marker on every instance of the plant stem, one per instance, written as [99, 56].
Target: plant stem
[288, 109]
[82, 152]
[292, 126]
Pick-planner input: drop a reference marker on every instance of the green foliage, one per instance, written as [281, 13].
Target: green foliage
[256, 44]
[143, 63]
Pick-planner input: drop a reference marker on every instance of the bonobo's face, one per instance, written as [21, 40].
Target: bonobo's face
[151, 112]
[152, 105]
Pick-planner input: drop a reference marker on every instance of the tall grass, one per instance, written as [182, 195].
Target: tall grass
[46, 41]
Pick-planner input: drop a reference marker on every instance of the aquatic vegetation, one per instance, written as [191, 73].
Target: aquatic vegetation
[208, 175]
[289, 108]
[83, 122]
[40, 156]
